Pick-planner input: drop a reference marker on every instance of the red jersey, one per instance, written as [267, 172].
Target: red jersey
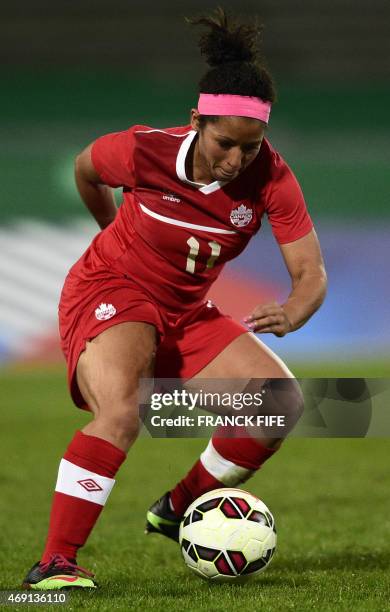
[173, 236]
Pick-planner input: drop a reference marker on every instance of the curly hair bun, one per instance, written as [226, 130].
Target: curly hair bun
[232, 52]
[226, 41]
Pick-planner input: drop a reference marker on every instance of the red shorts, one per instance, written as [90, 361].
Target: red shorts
[186, 342]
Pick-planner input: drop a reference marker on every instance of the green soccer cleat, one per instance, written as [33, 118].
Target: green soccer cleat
[161, 519]
[58, 573]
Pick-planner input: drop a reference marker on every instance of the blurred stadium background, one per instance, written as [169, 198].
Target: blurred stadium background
[73, 71]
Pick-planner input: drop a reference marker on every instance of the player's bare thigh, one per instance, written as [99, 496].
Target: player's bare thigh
[246, 357]
[108, 373]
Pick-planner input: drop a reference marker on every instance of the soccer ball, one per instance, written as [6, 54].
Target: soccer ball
[227, 534]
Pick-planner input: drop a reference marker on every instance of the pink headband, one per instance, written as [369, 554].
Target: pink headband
[238, 106]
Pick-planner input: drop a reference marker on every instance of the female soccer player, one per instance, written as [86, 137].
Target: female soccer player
[134, 305]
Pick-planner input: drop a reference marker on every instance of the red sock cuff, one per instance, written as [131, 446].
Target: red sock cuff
[245, 452]
[197, 482]
[95, 454]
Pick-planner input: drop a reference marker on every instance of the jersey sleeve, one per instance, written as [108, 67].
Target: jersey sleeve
[285, 206]
[113, 158]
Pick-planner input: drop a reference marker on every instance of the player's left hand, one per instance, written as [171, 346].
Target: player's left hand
[269, 319]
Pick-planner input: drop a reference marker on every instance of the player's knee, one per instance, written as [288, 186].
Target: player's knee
[117, 409]
[126, 424]
[121, 422]
[297, 399]
[112, 395]
[283, 396]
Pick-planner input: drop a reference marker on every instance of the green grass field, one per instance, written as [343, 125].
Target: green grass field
[330, 499]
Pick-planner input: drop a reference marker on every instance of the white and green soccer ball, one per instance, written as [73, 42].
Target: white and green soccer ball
[227, 535]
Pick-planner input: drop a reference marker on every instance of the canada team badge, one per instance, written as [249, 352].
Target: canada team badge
[241, 216]
[105, 311]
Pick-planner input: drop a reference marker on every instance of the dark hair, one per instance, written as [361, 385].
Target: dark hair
[232, 52]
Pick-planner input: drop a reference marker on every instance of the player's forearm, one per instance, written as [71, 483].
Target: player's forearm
[306, 297]
[98, 198]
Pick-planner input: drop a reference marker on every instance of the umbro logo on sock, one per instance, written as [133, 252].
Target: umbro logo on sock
[78, 482]
[90, 485]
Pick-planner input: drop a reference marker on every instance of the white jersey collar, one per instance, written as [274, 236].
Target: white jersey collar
[181, 167]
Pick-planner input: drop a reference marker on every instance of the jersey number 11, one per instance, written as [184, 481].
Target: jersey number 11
[194, 252]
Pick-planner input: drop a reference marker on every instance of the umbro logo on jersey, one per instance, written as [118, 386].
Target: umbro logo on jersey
[171, 197]
[105, 311]
[241, 216]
